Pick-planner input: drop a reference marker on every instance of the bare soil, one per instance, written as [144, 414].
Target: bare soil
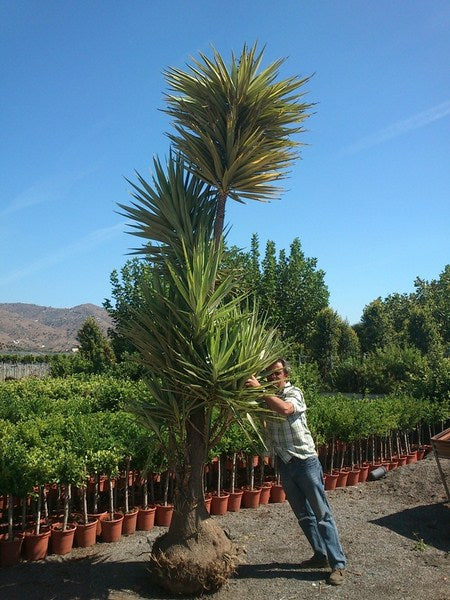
[395, 532]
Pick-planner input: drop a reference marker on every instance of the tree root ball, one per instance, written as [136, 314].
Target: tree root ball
[199, 564]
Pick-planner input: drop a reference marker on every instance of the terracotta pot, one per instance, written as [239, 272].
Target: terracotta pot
[402, 460]
[250, 498]
[146, 518]
[277, 493]
[342, 478]
[163, 515]
[130, 522]
[235, 500]
[411, 457]
[219, 504]
[331, 481]
[427, 448]
[112, 530]
[208, 503]
[100, 517]
[265, 493]
[35, 545]
[10, 551]
[420, 453]
[85, 534]
[353, 477]
[393, 464]
[363, 473]
[61, 542]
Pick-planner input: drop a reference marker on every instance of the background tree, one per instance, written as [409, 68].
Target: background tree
[436, 296]
[268, 287]
[348, 345]
[398, 307]
[126, 290]
[324, 341]
[302, 293]
[94, 346]
[422, 331]
[375, 330]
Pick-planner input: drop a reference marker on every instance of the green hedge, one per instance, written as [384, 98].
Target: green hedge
[56, 430]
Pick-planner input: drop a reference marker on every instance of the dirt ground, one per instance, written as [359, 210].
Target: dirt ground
[395, 532]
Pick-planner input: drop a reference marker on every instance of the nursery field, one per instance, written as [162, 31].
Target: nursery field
[70, 453]
[395, 531]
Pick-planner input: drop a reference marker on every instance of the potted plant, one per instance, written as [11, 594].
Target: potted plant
[39, 470]
[69, 470]
[112, 525]
[13, 483]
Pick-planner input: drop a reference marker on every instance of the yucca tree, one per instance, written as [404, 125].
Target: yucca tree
[233, 138]
[198, 347]
[234, 124]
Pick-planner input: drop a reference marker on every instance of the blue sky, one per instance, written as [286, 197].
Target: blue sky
[81, 93]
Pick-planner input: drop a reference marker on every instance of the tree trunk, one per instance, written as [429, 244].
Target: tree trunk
[144, 490]
[67, 498]
[220, 217]
[24, 512]
[233, 473]
[38, 517]
[10, 516]
[195, 555]
[127, 477]
[111, 499]
[85, 506]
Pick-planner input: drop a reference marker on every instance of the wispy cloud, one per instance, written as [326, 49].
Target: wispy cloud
[81, 246]
[400, 128]
[46, 190]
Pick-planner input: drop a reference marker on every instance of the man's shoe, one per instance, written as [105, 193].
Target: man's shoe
[315, 562]
[336, 577]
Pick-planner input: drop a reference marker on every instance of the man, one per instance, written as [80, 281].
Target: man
[301, 471]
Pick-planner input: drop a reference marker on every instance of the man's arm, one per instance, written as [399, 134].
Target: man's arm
[282, 407]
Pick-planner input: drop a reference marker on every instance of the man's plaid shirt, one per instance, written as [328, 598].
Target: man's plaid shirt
[290, 435]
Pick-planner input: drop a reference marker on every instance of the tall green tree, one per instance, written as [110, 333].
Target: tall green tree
[126, 295]
[303, 293]
[398, 308]
[324, 341]
[375, 330]
[436, 296]
[422, 331]
[94, 346]
[232, 130]
[268, 288]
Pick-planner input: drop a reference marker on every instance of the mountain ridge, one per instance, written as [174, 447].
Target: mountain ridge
[28, 327]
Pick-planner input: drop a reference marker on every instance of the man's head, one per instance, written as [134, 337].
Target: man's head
[278, 372]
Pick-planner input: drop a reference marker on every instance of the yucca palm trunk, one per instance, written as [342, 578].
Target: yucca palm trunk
[189, 506]
[220, 217]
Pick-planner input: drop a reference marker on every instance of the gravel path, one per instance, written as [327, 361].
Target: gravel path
[395, 531]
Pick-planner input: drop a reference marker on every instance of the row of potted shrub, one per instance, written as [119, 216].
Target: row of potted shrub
[56, 536]
[52, 535]
[62, 434]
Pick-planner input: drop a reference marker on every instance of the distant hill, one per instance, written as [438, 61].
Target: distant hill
[33, 328]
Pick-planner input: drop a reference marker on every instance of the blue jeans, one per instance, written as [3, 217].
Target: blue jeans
[302, 481]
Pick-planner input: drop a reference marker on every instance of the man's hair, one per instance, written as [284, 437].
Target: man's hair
[286, 365]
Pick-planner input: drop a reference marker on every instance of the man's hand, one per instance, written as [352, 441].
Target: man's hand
[252, 382]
